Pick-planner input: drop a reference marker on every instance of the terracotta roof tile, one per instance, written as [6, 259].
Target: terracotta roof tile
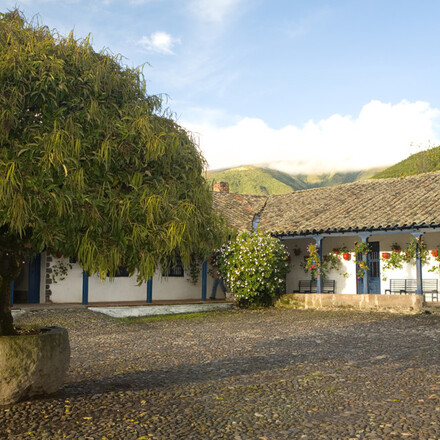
[369, 204]
[239, 209]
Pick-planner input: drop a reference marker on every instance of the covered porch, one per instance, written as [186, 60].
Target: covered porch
[388, 218]
[419, 276]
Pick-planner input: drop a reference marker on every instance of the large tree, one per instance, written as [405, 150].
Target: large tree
[90, 165]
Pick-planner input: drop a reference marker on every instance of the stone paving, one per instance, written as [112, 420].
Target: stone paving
[268, 375]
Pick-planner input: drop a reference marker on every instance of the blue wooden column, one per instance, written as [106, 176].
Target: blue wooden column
[85, 289]
[204, 279]
[319, 240]
[418, 235]
[150, 290]
[12, 293]
[366, 282]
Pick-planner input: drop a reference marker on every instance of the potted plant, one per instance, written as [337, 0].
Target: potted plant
[434, 253]
[346, 256]
[385, 255]
[395, 247]
[297, 251]
[336, 251]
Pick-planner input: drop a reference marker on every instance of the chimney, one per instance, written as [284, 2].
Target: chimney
[221, 187]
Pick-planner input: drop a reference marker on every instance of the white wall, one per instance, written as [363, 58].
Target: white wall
[180, 288]
[69, 290]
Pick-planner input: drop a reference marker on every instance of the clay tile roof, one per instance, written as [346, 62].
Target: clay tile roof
[239, 209]
[369, 204]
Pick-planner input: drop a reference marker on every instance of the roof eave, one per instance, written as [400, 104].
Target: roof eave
[354, 231]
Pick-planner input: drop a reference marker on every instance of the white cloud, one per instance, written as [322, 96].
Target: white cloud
[213, 10]
[381, 135]
[159, 42]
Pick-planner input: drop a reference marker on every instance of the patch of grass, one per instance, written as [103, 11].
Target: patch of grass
[174, 317]
[314, 376]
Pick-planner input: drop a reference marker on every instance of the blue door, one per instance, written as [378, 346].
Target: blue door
[34, 280]
[373, 262]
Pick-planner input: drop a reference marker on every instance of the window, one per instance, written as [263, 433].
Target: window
[176, 270]
[121, 272]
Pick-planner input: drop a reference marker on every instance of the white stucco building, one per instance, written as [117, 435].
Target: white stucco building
[380, 212]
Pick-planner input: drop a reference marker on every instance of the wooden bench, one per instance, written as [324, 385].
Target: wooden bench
[309, 286]
[404, 287]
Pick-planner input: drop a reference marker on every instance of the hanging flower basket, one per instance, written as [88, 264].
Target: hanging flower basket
[346, 256]
[336, 251]
[59, 254]
[385, 255]
[395, 247]
[297, 251]
[434, 253]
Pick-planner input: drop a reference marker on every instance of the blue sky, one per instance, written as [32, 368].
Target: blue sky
[302, 86]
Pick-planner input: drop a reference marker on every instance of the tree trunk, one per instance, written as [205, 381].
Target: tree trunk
[10, 268]
[6, 322]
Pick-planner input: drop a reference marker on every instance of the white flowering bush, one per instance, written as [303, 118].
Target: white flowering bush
[254, 267]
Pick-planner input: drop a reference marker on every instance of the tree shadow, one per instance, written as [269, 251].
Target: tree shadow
[360, 345]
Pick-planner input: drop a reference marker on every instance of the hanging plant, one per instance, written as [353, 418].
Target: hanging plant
[60, 270]
[332, 261]
[194, 269]
[297, 251]
[312, 261]
[343, 252]
[395, 259]
[411, 250]
[329, 262]
[361, 249]
[436, 266]
[395, 247]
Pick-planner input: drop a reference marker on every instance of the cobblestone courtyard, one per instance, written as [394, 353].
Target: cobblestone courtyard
[274, 374]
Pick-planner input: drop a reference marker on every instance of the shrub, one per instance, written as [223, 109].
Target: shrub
[254, 267]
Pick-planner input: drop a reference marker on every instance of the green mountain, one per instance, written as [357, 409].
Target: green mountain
[418, 163]
[256, 180]
[264, 181]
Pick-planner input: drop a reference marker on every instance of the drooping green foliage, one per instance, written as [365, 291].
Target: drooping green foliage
[418, 163]
[90, 165]
[254, 267]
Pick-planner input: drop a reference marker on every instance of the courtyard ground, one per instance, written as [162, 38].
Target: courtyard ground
[267, 374]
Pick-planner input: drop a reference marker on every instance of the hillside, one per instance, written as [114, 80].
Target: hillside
[264, 181]
[422, 162]
[256, 180]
